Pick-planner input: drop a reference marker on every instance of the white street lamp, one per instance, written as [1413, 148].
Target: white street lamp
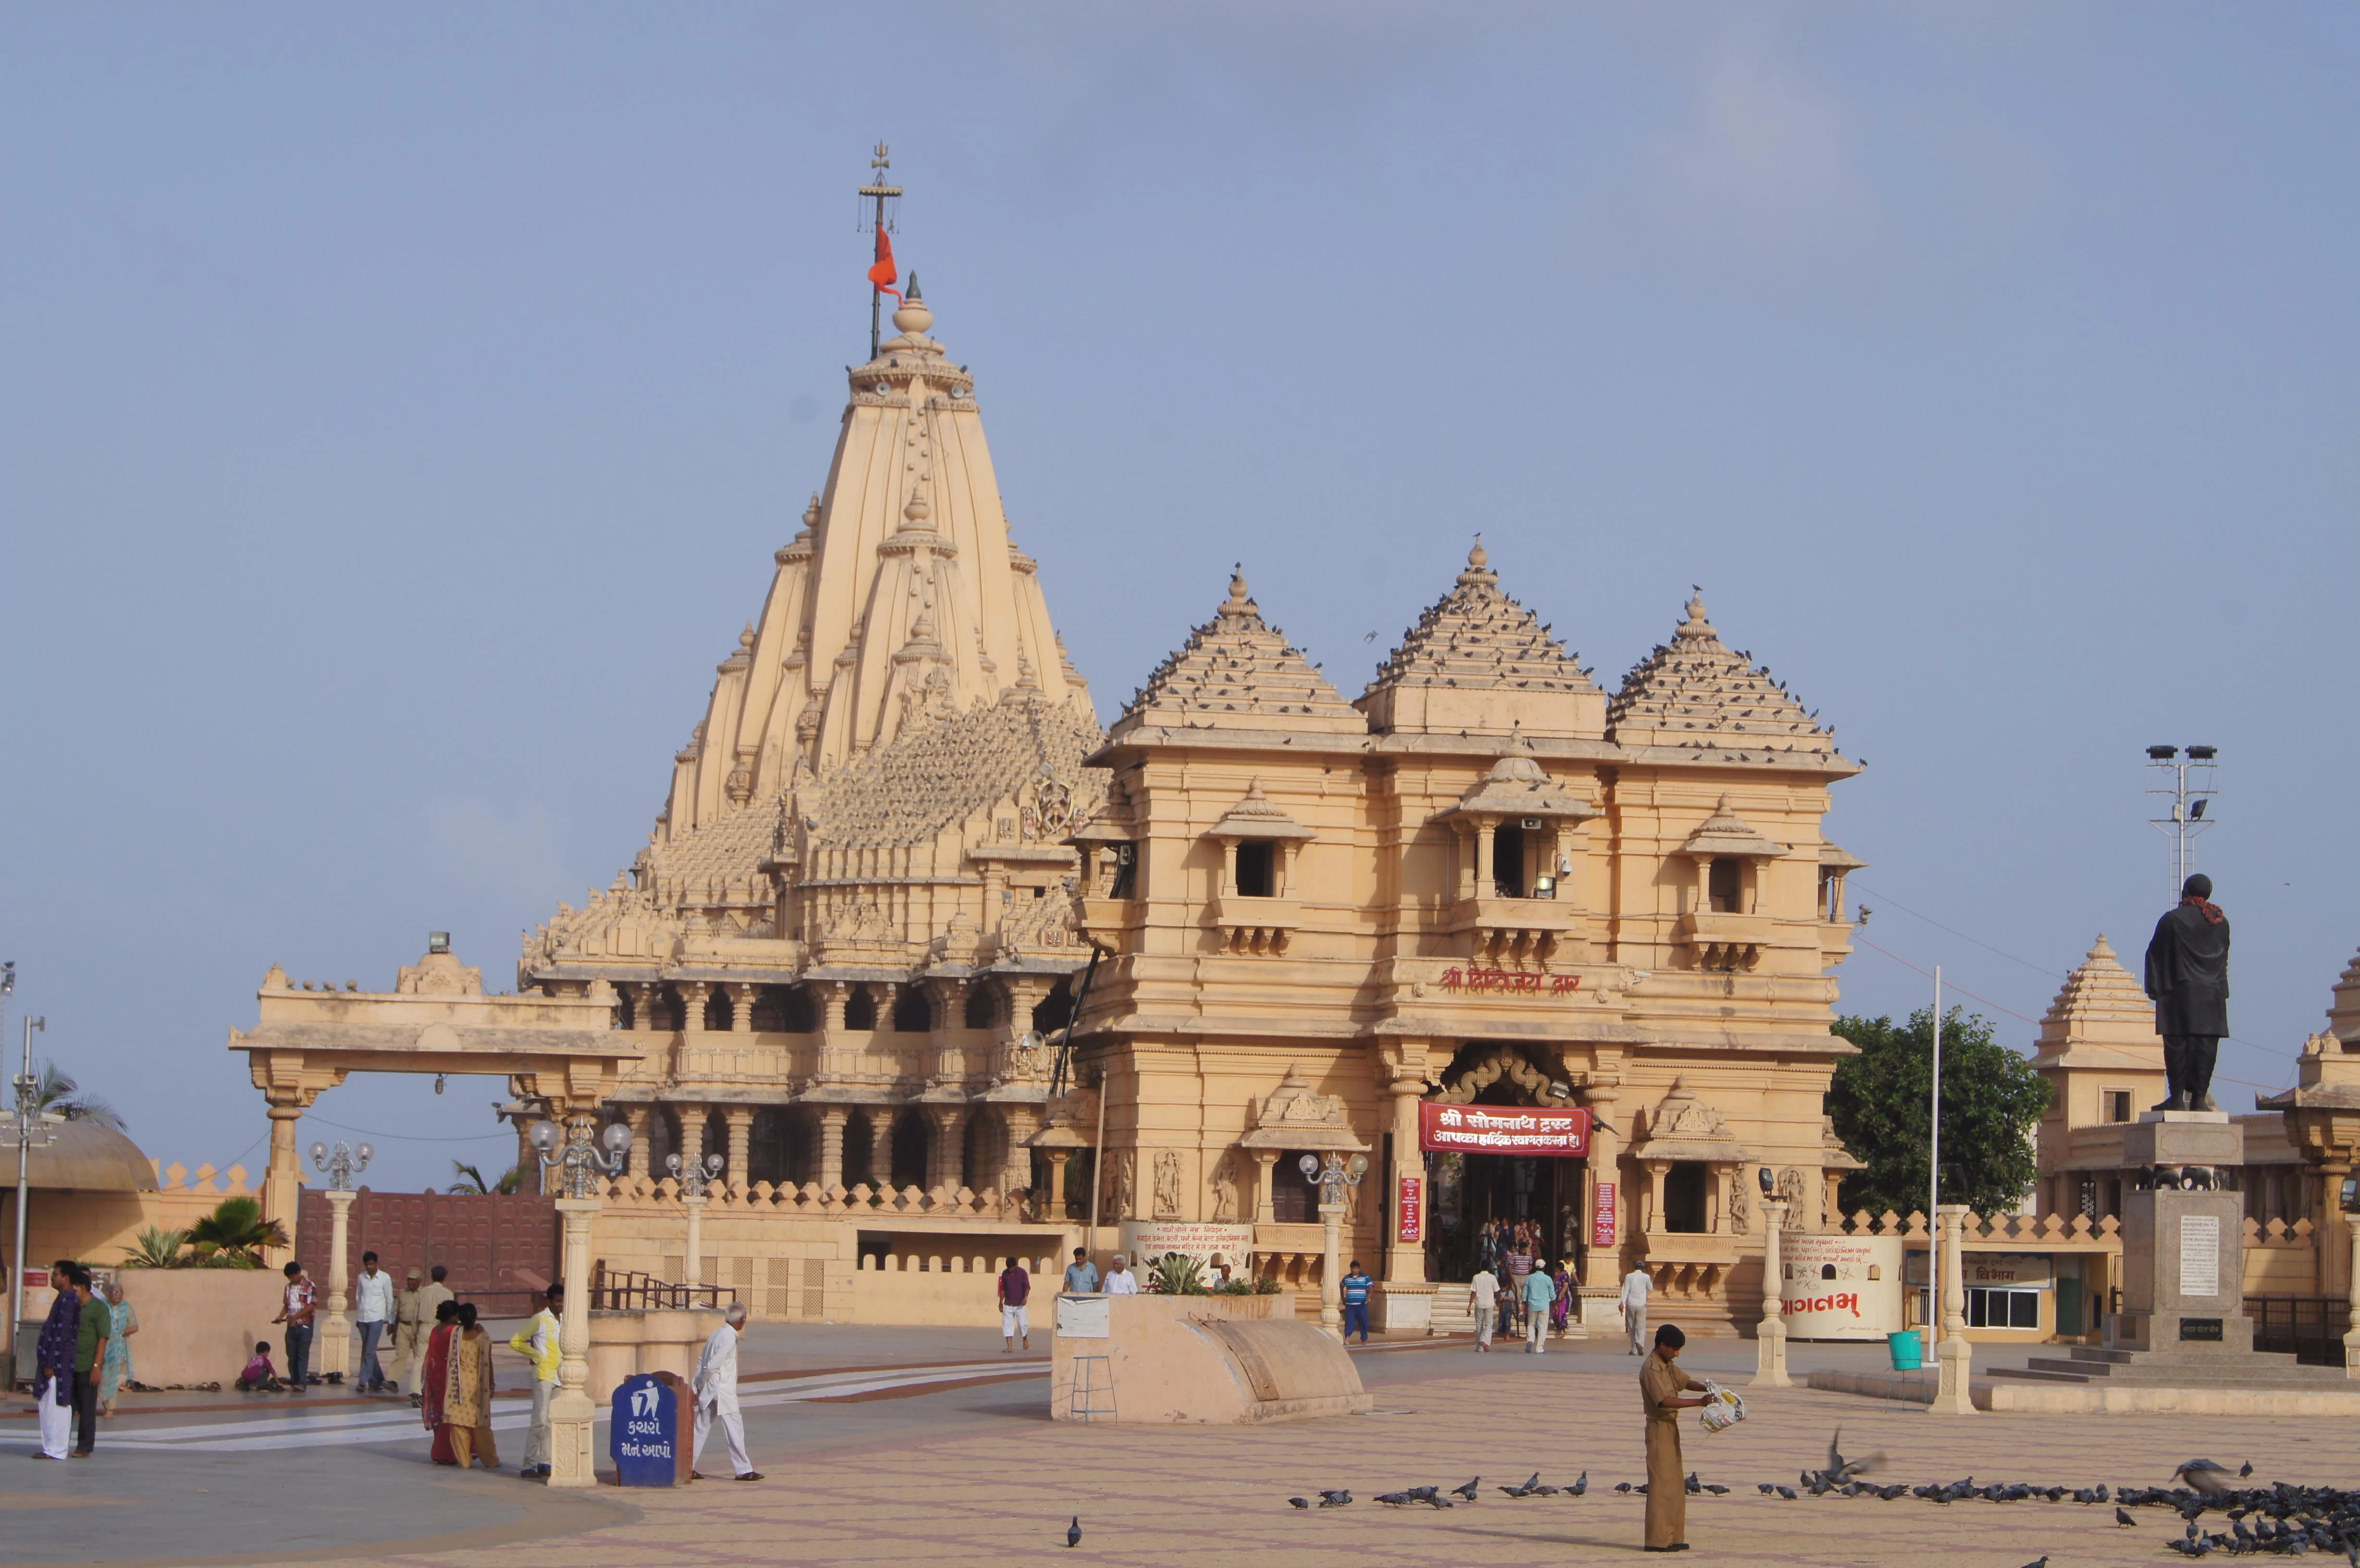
[1331, 1176]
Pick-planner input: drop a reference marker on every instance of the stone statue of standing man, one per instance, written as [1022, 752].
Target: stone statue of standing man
[2188, 975]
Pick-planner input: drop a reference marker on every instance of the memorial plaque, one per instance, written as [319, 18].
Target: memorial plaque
[2201, 1328]
[2199, 1255]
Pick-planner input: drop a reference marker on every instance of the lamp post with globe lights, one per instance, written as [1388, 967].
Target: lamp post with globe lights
[339, 1165]
[585, 1166]
[694, 1183]
[1332, 1174]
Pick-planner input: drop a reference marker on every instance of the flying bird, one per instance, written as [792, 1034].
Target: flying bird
[1074, 1533]
[1840, 1469]
[2205, 1477]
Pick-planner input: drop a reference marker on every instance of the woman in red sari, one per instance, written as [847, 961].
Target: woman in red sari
[436, 1381]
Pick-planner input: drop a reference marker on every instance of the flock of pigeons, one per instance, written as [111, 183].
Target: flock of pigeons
[2291, 1521]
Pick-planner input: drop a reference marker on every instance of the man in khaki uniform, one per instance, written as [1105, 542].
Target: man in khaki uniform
[414, 1320]
[1663, 1388]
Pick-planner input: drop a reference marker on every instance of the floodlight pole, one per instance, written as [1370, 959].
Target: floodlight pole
[25, 1117]
[2191, 802]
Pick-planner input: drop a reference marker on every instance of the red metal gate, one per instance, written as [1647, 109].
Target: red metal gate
[499, 1248]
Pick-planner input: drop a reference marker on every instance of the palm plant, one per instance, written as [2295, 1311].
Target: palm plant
[59, 1095]
[156, 1247]
[471, 1181]
[235, 1234]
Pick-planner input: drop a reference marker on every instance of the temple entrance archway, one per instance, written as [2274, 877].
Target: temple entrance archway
[1480, 1202]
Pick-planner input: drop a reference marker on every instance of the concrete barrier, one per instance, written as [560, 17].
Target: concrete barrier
[1197, 1360]
[667, 1339]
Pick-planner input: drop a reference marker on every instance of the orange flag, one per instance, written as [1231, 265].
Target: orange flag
[883, 273]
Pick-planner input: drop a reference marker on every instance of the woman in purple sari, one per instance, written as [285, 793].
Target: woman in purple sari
[53, 1360]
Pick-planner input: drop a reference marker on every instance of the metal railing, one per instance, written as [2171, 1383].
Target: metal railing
[2312, 1327]
[628, 1290]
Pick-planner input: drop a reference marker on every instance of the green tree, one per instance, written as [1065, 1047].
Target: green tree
[235, 1234]
[471, 1181]
[1992, 1100]
[157, 1247]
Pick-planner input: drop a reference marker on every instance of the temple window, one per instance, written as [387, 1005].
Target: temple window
[1055, 1010]
[717, 1009]
[1508, 862]
[1292, 1201]
[1722, 884]
[1257, 869]
[982, 1006]
[784, 1010]
[911, 1014]
[911, 1143]
[1683, 1197]
[1126, 871]
[860, 1009]
[2117, 1102]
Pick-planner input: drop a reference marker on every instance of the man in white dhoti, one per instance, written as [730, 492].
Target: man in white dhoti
[716, 1394]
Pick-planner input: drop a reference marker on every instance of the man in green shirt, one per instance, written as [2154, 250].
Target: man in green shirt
[89, 1354]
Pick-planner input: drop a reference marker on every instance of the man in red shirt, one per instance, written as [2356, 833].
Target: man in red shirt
[1015, 1290]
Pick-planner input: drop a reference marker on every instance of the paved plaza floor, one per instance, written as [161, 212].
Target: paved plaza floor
[886, 1446]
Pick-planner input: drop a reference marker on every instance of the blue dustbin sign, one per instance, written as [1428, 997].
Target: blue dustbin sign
[644, 1438]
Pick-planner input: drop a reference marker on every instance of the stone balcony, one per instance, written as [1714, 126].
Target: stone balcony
[1723, 940]
[1516, 932]
[1255, 925]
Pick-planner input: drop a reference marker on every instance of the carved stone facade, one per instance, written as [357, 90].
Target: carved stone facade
[1484, 880]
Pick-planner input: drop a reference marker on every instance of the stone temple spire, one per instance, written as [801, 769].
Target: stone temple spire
[902, 597]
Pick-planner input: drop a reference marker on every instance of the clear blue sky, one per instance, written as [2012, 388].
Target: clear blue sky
[401, 407]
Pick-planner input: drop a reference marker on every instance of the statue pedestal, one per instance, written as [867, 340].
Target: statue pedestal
[2183, 1250]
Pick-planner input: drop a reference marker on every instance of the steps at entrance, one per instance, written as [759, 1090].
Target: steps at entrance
[1453, 1311]
[2092, 1364]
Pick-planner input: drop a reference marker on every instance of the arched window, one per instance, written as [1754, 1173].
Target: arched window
[718, 1015]
[860, 1008]
[912, 1013]
[912, 1138]
[982, 1005]
[1683, 1205]
[1508, 862]
[785, 1010]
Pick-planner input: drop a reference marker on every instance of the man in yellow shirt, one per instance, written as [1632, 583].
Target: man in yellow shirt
[537, 1342]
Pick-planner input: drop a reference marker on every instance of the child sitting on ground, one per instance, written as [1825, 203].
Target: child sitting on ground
[260, 1376]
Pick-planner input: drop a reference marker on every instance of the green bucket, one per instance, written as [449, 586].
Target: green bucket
[1908, 1350]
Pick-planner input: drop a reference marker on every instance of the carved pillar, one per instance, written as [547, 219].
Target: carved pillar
[946, 1150]
[1265, 1164]
[1602, 1266]
[881, 1147]
[692, 1136]
[833, 996]
[2351, 1271]
[646, 997]
[1485, 874]
[1652, 1218]
[1057, 1159]
[1952, 1356]
[1021, 1122]
[831, 1147]
[637, 1117]
[692, 993]
[282, 1179]
[336, 1346]
[1770, 1339]
[571, 1413]
[1406, 1260]
[741, 1141]
[741, 1006]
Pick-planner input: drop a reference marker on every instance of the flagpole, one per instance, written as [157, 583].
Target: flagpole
[1934, 1174]
[881, 193]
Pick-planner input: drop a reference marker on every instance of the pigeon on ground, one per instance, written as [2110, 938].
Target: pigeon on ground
[2040, 1562]
[1716, 1491]
[2122, 1517]
[1074, 1533]
[1390, 1499]
[2101, 1493]
[1466, 1491]
[2245, 1470]
[1694, 1486]
[1334, 1499]
[1438, 1502]
[1579, 1485]
[1788, 1493]
[1898, 1489]
[1639, 1490]
[1622, 1486]
[1298, 1502]
[2205, 1477]
[1765, 1487]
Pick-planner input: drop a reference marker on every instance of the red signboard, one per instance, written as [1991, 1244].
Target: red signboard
[36, 1279]
[1504, 1129]
[1411, 1208]
[1601, 1216]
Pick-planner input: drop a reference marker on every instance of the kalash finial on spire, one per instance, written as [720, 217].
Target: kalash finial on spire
[1697, 624]
[1238, 603]
[913, 318]
[1479, 560]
